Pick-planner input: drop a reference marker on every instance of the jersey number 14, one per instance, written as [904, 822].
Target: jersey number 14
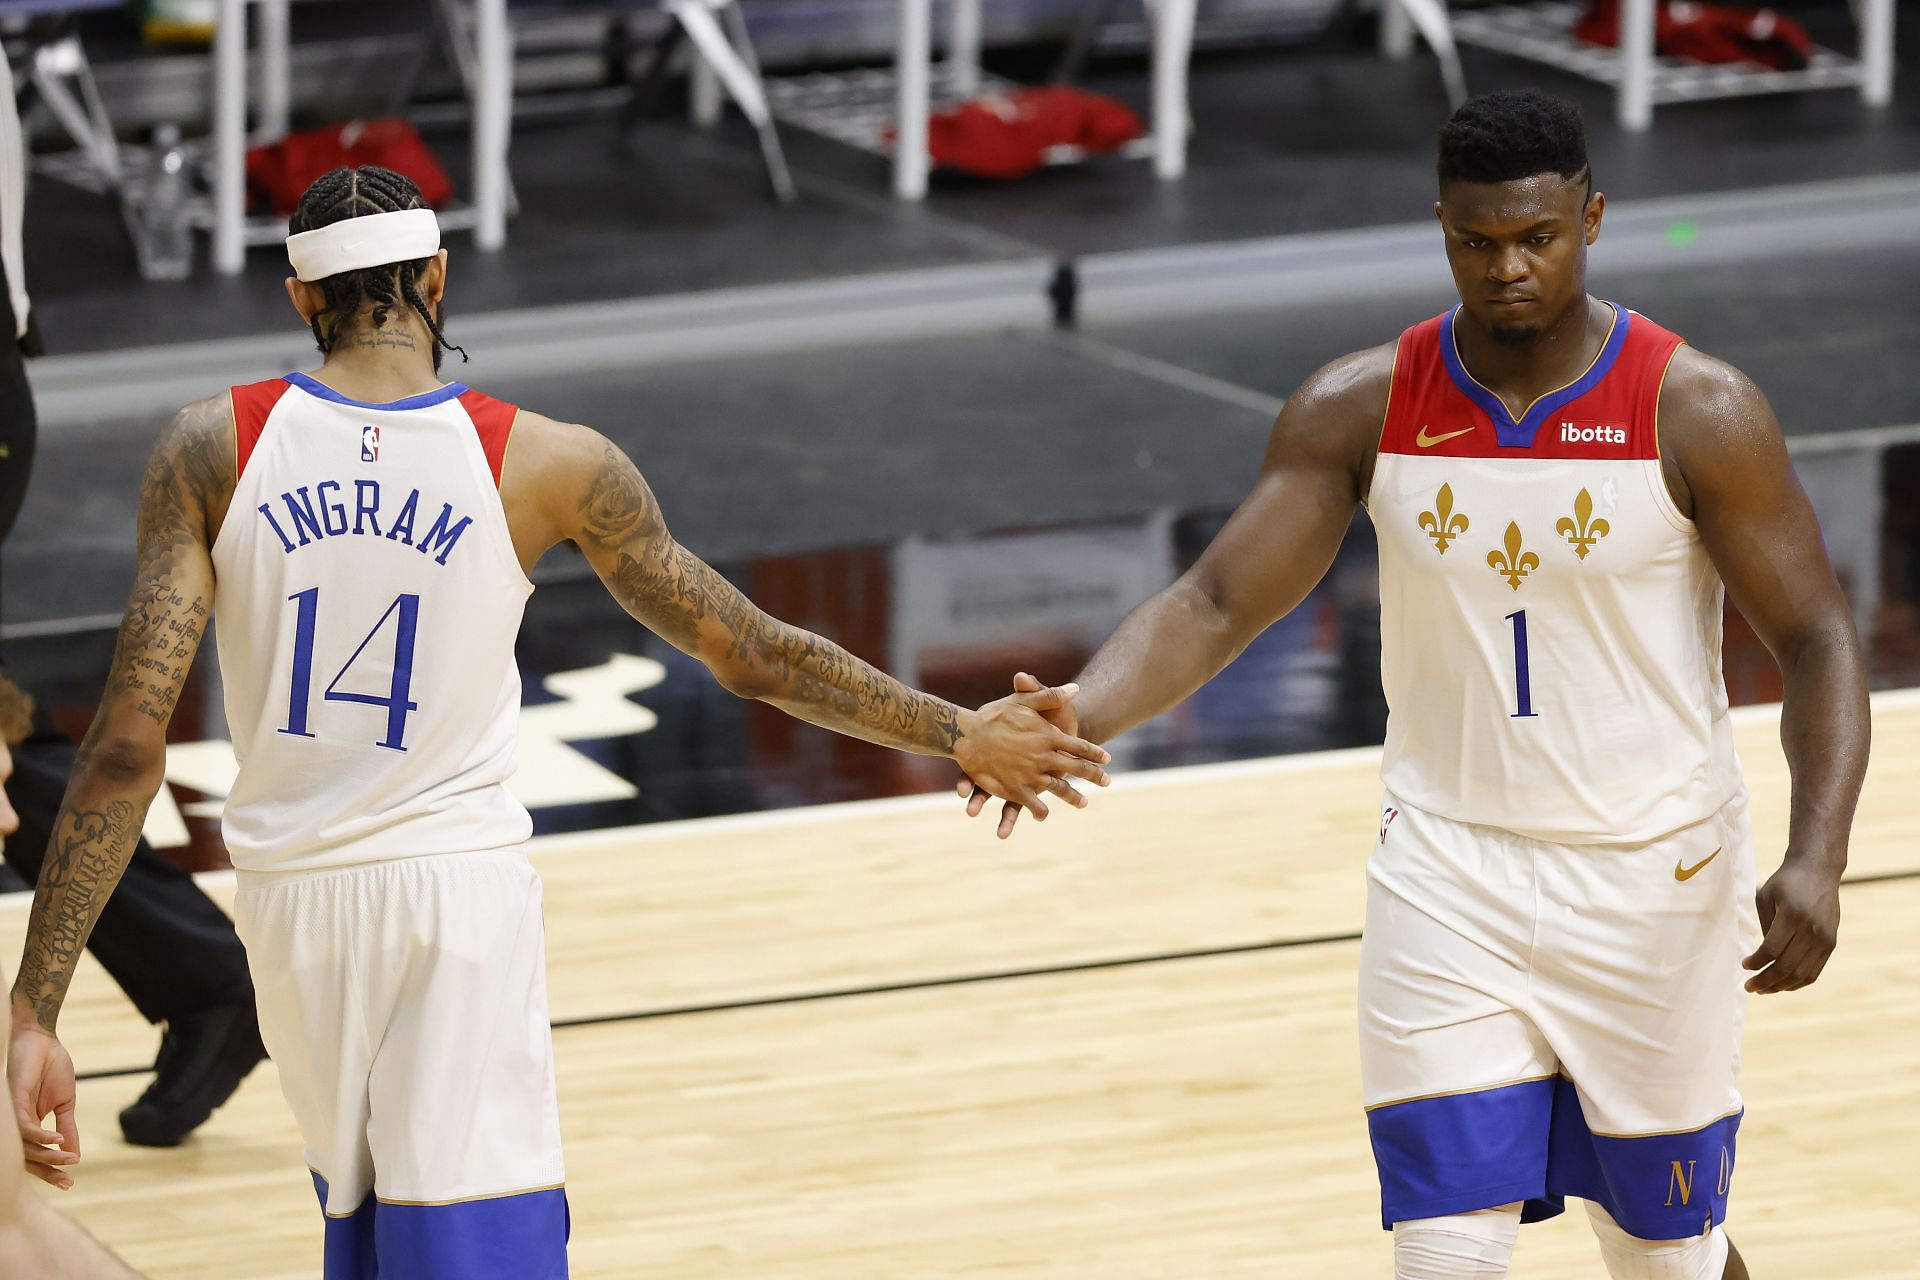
[406, 608]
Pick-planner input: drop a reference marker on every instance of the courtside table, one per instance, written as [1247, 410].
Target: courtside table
[491, 81]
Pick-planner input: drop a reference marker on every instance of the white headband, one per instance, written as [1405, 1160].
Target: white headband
[373, 240]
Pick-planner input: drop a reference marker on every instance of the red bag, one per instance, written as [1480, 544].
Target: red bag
[278, 172]
[1708, 33]
[1007, 136]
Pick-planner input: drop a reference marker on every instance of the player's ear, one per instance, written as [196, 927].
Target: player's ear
[306, 299]
[433, 281]
[1591, 215]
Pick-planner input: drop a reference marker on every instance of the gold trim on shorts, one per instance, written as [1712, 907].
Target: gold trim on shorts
[1455, 1093]
[491, 1195]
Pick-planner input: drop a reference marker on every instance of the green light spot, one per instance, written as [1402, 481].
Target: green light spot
[1682, 232]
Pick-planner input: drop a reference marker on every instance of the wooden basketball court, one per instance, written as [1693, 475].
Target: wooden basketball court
[870, 1041]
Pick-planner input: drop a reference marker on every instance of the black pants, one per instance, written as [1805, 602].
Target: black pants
[163, 940]
[171, 949]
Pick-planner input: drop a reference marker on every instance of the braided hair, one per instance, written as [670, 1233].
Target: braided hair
[345, 193]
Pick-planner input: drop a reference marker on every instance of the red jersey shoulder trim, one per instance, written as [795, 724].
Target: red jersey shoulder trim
[1609, 413]
[252, 405]
[1416, 366]
[493, 419]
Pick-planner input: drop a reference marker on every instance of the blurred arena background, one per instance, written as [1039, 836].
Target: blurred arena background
[810, 1023]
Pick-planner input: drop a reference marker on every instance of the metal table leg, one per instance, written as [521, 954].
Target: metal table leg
[1396, 31]
[275, 68]
[229, 138]
[1876, 51]
[963, 46]
[1172, 50]
[492, 121]
[1635, 101]
[913, 71]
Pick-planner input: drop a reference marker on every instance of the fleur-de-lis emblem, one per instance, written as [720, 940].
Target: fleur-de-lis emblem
[1443, 524]
[1580, 529]
[1513, 564]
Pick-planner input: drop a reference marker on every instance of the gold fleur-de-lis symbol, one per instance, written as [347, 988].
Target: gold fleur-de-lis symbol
[1443, 524]
[1513, 564]
[1580, 529]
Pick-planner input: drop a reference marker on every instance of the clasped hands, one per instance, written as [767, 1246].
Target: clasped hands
[1028, 746]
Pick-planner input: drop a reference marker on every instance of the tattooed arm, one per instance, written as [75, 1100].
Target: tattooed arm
[574, 486]
[122, 760]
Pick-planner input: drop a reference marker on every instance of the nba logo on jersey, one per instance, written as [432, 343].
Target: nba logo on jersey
[370, 443]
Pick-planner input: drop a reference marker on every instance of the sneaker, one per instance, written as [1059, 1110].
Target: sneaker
[203, 1058]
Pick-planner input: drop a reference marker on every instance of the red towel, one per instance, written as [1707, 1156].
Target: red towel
[1008, 135]
[278, 172]
[1708, 33]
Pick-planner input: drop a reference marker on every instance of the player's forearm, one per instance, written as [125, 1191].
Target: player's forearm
[1166, 649]
[755, 655]
[93, 838]
[813, 679]
[1824, 730]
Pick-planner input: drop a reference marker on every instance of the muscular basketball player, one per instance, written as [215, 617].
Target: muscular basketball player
[369, 530]
[1562, 885]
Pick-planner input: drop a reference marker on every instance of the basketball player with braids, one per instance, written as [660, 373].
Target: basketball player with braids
[364, 536]
[1560, 896]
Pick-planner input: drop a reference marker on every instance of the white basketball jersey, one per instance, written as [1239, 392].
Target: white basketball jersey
[367, 601]
[1550, 623]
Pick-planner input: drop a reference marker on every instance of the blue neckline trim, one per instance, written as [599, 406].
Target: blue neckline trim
[438, 396]
[1519, 435]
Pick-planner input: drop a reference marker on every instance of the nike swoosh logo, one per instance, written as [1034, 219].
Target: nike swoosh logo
[1426, 440]
[1682, 872]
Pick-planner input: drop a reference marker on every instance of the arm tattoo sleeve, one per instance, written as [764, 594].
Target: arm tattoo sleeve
[691, 606]
[114, 780]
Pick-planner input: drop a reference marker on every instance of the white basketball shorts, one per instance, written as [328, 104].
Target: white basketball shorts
[405, 1006]
[1540, 1021]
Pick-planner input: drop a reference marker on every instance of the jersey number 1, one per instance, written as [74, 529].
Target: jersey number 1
[397, 700]
[1521, 680]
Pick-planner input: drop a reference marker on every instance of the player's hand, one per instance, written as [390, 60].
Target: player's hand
[1800, 914]
[1062, 716]
[40, 1082]
[1013, 750]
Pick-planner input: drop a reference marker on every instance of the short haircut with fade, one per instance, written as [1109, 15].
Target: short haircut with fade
[1514, 134]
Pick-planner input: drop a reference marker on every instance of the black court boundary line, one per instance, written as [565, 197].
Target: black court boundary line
[973, 979]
